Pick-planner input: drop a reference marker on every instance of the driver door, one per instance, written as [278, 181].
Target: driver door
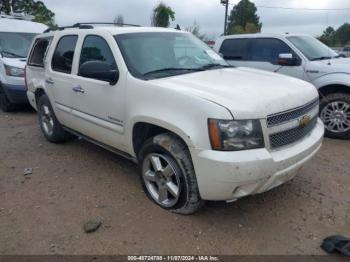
[265, 54]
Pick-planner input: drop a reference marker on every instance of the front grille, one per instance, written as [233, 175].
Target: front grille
[292, 135]
[280, 118]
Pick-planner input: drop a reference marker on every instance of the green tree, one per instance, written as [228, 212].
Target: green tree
[30, 7]
[342, 35]
[119, 20]
[162, 14]
[237, 29]
[328, 36]
[251, 28]
[243, 18]
[339, 37]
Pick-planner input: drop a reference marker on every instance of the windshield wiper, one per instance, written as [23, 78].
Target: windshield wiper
[12, 54]
[210, 66]
[321, 58]
[170, 69]
[177, 69]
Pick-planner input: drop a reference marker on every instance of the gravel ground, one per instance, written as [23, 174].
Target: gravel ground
[76, 182]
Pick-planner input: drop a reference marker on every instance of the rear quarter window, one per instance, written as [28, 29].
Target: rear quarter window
[39, 51]
[235, 49]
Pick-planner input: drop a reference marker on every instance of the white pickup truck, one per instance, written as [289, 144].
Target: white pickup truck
[198, 128]
[303, 57]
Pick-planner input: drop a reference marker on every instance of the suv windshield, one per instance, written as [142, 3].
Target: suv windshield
[312, 48]
[157, 55]
[15, 45]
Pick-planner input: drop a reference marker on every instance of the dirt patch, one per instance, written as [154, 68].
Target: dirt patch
[76, 182]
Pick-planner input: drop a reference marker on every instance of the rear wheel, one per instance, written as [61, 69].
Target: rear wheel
[51, 128]
[335, 114]
[168, 176]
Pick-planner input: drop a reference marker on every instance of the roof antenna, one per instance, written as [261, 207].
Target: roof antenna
[178, 27]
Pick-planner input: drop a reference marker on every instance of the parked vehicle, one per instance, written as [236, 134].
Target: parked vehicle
[303, 57]
[16, 36]
[345, 51]
[198, 128]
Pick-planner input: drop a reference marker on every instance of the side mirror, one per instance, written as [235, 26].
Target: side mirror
[288, 60]
[99, 70]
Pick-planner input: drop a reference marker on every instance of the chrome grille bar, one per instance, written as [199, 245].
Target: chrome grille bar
[283, 117]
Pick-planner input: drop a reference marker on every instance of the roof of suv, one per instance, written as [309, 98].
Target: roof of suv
[260, 35]
[115, 30]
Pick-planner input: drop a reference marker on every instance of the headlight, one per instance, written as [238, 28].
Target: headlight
[14, 71]
[233, 135]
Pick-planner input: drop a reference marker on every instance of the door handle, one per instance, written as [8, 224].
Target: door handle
[49, 81]
[78, 89]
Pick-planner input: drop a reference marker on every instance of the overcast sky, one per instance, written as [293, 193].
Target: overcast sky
[209, 14]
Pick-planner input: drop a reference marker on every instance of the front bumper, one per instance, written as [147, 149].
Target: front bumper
[15, 93]
[232, 175]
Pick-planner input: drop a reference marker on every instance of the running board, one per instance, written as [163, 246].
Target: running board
[107, 147]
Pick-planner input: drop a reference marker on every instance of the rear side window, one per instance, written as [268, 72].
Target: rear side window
[95, 48]
[38, 53]
[268, 50]
[235, 49]
[62, 59]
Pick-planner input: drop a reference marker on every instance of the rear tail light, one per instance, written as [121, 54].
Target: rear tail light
[25, 78]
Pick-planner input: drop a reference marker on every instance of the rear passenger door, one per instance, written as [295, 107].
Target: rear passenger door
[59, 78]
[98, 108]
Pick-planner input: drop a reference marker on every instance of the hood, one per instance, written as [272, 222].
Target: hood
[16, 62]
[246, 93]
[338, 65]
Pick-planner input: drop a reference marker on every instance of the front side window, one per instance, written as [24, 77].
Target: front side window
[312, 48]
[157, 55]
[62, 59]
[95, 48]
[235, 49]
[15, 45]
[268, 50]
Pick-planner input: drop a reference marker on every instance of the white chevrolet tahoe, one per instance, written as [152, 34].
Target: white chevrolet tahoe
[198, 128]
[303, 57]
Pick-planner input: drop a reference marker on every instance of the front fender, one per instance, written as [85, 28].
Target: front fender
[163, 124]
[333, 79]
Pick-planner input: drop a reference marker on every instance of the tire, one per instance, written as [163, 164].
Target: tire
[50, 126]
[335, 114]
[175, 172]
[5, 104]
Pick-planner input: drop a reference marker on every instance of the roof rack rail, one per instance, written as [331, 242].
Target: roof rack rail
[105, 23]
[87, 26]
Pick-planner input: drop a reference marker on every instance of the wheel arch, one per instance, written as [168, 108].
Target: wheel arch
[38, 93]
[334, 88]
[145, 129]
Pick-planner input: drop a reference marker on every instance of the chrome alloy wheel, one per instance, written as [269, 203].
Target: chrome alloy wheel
[46, 120]
[161, 179]
[336, 116]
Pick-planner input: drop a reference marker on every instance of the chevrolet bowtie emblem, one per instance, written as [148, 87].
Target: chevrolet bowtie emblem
[304, 121]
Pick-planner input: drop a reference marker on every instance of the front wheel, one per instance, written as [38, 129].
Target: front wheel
[168, 176]
[335, 114]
